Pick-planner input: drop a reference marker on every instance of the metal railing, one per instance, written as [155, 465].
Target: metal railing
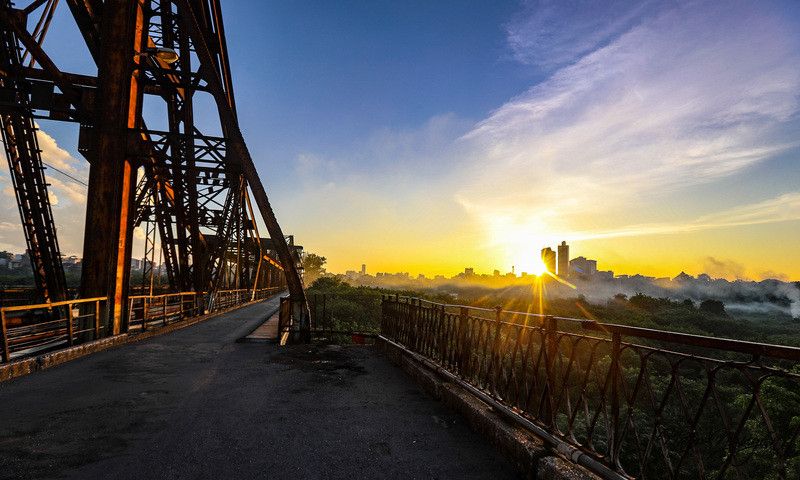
[13, 296]
[286, 323]
[33, 329]
[669, 406]
[29, 329]
[146, 310]
[229, 298]
[345, 314]
[335, 314]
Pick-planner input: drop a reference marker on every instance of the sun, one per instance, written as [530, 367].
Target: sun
[531, 263]
[538, 268]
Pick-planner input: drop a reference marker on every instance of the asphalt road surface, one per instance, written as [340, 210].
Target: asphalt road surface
[195, 404]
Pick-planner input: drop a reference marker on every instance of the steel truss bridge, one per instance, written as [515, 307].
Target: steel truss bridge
[190, 190]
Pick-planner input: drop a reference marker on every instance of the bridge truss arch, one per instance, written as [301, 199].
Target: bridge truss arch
[190, 189]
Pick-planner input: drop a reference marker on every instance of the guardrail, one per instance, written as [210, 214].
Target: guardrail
[146, 310]
[345, 314]
[285, 320]
[28, 329]
[335, 314]
[13, 296]
[642, 403]
[31, 329]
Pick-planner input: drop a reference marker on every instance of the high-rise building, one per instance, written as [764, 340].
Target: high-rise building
[583, 266]
[549, 259]
[363, 269]
[563, 259]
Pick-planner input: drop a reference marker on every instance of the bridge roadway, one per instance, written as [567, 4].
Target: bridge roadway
[195, 404]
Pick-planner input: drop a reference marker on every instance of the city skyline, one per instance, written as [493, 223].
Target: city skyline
[580, 265]
[657, 136]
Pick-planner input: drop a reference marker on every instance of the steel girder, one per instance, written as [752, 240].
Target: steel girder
[193, 188]
[18, 133]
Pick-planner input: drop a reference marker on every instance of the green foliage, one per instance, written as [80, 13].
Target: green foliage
[16, 276]
[313, 267]
[714, 307]
[338, 306]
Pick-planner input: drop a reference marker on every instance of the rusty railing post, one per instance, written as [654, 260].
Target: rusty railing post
[130, 311]
[70, 327]
[5, 334]
[495, 361]
[324, 311]
[97, 319]
[443, 337]
[148, 302]
[383, 317]
[550, 330]
[613, 437]
[314, 315]
[463, 343]
[414, 330]
[280, 319]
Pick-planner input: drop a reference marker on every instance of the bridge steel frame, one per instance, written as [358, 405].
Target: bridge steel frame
[190, 187]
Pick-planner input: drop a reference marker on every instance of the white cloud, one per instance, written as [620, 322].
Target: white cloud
[67, 197]
[783, 208]
[692, 95]
[554, 32]
[60, 158]
[76, 193]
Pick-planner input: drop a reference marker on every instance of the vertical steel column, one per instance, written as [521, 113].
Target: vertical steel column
[110, 199]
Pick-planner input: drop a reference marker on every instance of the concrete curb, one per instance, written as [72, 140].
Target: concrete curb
[25, 366]
[523, 449]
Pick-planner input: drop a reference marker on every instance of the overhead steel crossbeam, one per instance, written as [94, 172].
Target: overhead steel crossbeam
[192, 187]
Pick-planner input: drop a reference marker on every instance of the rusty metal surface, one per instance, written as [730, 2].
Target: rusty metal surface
[18, 133]
[193, 187]
[112, 176]
[645, 403]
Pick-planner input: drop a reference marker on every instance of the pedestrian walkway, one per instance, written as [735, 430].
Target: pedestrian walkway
[266, 332]
[194, 403]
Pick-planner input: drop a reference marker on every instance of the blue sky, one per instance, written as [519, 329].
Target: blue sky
[655, 136]
[327, 74]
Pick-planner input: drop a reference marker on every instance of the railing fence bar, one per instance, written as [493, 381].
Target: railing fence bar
[609, 397]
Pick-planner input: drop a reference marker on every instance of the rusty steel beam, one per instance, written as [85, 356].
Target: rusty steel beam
[224, 101]
[199, 183]
[112, 177]
[21, 146]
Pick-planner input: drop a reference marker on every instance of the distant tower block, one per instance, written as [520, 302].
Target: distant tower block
[549, 259]
[363, 269]
[563, 259]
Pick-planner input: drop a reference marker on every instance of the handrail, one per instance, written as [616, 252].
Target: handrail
[640, 410]
[39, 329]
[37, 306]
[784, 352]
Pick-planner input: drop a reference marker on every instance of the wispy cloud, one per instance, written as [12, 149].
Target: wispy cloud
[779, 209]
[67, 197]
[693, 94]
[551, 33]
